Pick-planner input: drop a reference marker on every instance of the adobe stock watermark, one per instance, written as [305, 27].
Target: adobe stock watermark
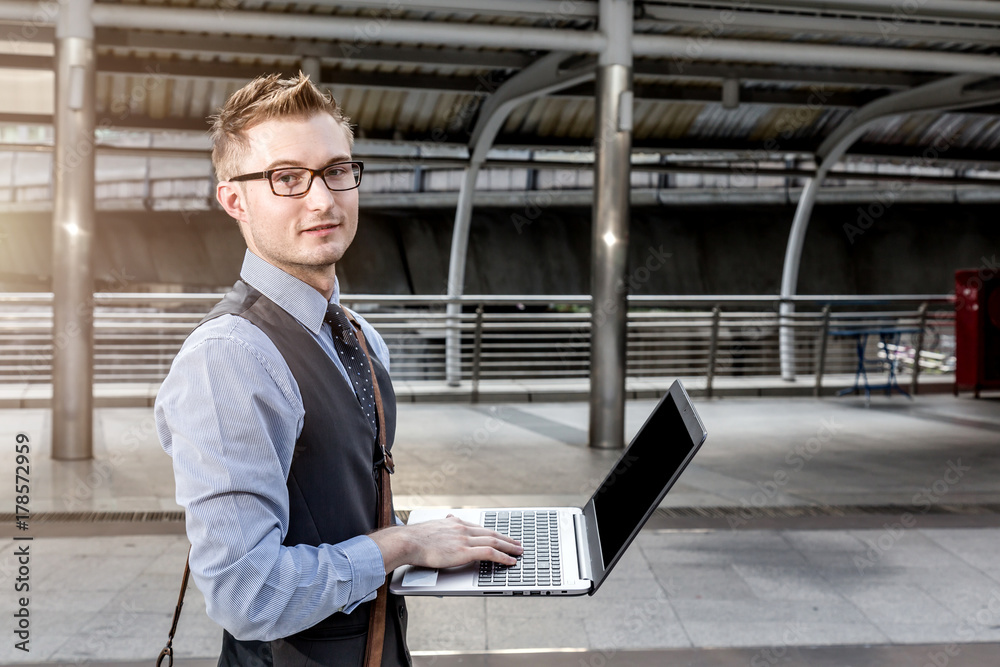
[708, 32]
[39, 363]
[102, 471]
[225, 7]
[758, 327]
[792, 635]
[609, 480]
[968, 631]
[922, 502]
[46, 14]
[987, 618]
[656, 258]
[902, 11]
[94, 649]
[886, 197]
[788, 123]
[642, 619]
[371, 31]
[795, 460]
[987, 271]
[466, 448]
[568, 10]
[121, 108]
[536, 201]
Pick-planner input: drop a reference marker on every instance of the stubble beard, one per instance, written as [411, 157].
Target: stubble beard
[293, 252]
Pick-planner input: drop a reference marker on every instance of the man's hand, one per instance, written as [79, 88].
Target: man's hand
[443, 543]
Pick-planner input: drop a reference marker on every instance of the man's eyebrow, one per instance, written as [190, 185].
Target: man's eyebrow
[282, 162]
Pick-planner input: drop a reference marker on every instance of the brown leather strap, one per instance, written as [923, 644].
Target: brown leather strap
[168, 650]
[376, 621]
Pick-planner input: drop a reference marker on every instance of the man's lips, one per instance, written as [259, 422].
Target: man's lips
[321, 228]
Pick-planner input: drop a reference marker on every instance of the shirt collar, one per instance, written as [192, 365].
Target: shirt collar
[301, 301]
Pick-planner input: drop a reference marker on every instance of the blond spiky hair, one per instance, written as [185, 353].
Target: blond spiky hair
[265, 98]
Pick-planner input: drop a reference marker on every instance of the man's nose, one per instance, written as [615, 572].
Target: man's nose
[320, 197]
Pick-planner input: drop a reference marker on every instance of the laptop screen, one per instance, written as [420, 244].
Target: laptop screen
[640, 478]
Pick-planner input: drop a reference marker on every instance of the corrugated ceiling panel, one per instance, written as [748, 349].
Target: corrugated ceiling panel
[218, 93]
[646, 114]
[716, 122]
[419, 114]
[180, 98]
[972, 127]
[947, 127]
[199, 106]
[555, 112]
[829, 120]
[674, 121]
[787, 123]
[516, 118]
[367, 114]
[531, 121]
[987, 136]
[387, 118]
[581, 122]
[893, 126]
[102, 92]
[447, 111]
[417, 111]
[975, 129]
[158, 94]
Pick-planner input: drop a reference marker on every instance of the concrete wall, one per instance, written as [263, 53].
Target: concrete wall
[704, 250]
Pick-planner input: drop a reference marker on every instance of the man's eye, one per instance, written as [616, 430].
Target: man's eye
[287, 177]
[336, 172]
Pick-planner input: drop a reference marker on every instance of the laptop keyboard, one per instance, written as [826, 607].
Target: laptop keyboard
[538, 532]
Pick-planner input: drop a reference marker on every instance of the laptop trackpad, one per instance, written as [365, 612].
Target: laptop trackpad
[420, 576]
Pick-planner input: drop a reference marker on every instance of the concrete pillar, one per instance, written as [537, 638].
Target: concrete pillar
[73, 235]
[613, 148]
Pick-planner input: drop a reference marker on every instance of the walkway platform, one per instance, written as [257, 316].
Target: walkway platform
[916, 655]
[141, 394]
[807, 531]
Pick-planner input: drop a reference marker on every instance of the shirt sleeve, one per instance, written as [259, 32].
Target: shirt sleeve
[229, 413]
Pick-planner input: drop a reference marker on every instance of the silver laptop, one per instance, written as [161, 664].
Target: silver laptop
[571, 550]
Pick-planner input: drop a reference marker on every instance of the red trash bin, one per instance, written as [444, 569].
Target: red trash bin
[977, 330]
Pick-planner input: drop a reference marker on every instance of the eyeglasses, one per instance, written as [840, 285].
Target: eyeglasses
[296, 181]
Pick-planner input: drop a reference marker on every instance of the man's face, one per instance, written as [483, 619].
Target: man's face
[305, 236]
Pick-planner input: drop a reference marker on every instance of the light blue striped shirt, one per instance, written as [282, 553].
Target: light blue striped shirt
[229, 413]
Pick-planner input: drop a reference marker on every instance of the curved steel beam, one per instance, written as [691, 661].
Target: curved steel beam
[541, 78]
[954, 92]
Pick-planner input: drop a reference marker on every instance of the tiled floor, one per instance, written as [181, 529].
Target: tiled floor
[905, 580]
[111, 598]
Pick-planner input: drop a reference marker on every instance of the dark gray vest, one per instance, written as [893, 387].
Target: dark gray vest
[332, 482]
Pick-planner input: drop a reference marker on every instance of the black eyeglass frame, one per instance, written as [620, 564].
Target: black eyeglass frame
[313, 173]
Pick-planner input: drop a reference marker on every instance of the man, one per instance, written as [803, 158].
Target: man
[273, 445]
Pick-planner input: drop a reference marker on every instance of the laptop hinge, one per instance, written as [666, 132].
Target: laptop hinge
[582, 547]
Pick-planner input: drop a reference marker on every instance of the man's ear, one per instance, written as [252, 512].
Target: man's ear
[231, 198]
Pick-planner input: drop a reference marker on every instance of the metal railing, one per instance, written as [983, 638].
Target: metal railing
[522, 338]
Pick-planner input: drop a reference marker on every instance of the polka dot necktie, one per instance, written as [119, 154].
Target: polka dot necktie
[345, 341]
